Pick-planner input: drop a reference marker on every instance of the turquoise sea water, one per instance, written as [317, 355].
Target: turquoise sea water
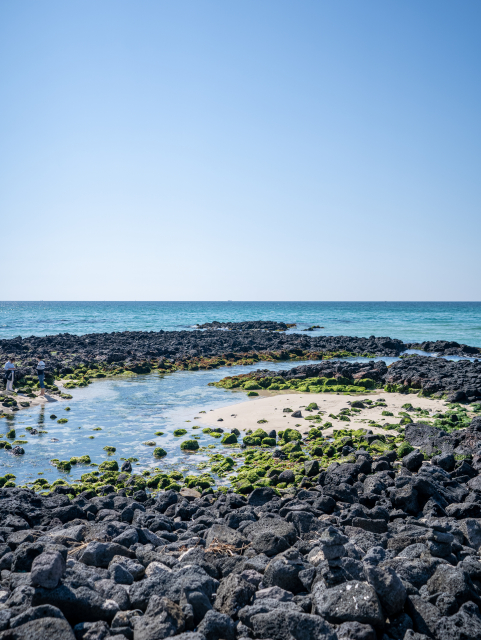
[408, 321]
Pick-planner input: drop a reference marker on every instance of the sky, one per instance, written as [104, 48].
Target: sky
[243, 150]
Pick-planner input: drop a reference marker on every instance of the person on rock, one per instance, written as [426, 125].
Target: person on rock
[41, 374]
[10, 372]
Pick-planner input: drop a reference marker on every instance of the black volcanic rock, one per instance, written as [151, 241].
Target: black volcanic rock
[405, 565]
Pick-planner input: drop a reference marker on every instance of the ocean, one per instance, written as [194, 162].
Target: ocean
[408, 321]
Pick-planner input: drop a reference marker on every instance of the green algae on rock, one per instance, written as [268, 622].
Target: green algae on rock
[180, 432]
[159, 452]
[189, 445]
[109, 465]
[229, 438]
[80, 460]
[62, 465]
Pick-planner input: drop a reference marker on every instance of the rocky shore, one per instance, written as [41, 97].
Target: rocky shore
[459, 381]
[138, 351]
[330, 534]
[383, 546]
[209, 348]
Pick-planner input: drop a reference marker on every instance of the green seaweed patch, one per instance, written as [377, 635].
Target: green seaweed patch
[189, 445]
[180, 432]
[41, 482]
[289, 435]
[159, 452]
[251, 385]
[109, 465]
[160, 433]
[110, 449]
[80, 460]
[62, 420]
[62, 465]
[215, 433]
[229, 438]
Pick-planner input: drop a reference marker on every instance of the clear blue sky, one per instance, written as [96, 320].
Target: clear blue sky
[241, 149]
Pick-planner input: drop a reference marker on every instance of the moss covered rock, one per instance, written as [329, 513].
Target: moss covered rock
[229, 438]
[159, 452]
[404, 449]
[259, 433]
[109, 465]
[289, 435]
[63, 465]
[291, 447]
[189, 445]
[251, 385]
[80, 460]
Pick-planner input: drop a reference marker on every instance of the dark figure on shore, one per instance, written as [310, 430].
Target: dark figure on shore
[41, 374]
[10, 373]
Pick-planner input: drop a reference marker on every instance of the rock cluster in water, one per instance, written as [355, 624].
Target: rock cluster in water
[445, 348]
[64, 350]
[459, 380]
[374, 548]
[249, 325]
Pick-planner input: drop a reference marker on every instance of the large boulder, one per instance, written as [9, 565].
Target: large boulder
[281, 624]
[43, 629]
[350, 601]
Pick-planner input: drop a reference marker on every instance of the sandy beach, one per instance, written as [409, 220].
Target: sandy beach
[245, 415]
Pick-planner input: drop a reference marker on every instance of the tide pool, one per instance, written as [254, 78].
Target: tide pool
[125, 413]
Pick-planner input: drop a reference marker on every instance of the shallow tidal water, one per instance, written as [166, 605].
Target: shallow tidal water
[128, 411]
